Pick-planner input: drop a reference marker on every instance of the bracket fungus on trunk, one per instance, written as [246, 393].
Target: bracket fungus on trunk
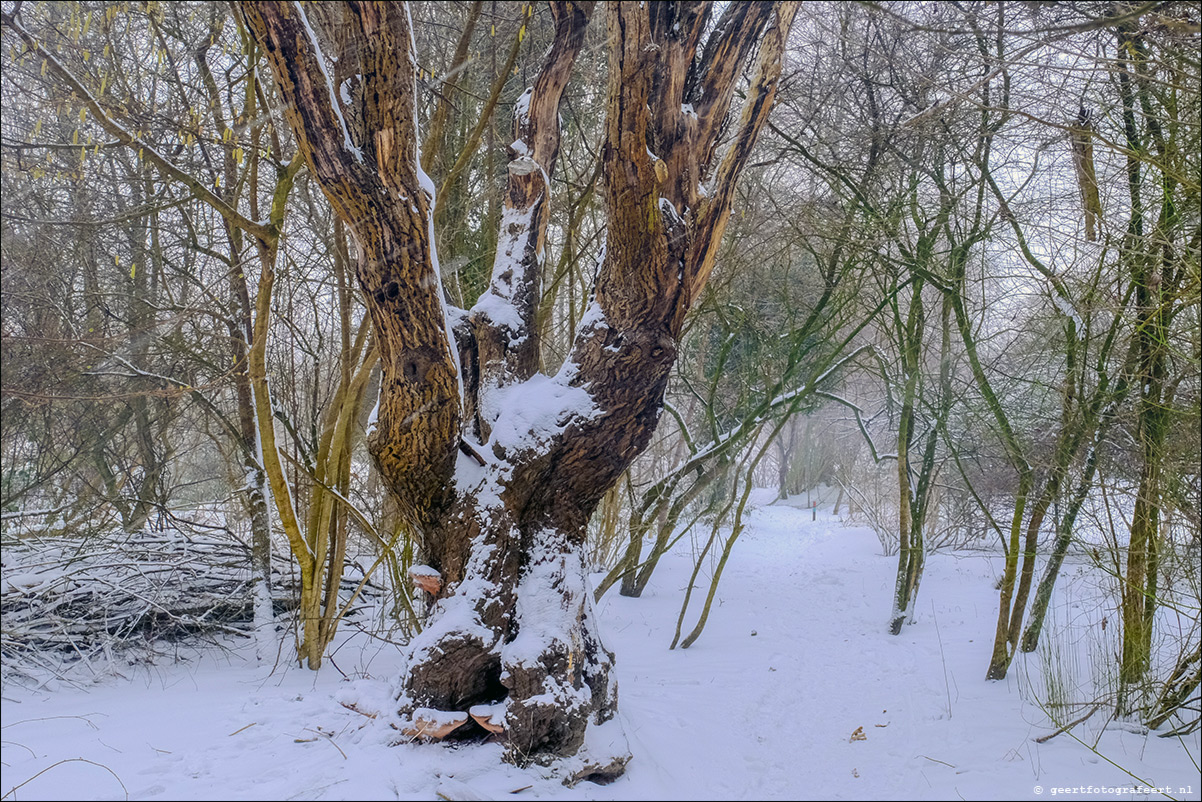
[426, 578]
[434, 725]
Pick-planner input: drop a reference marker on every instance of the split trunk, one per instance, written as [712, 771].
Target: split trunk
[497, 468]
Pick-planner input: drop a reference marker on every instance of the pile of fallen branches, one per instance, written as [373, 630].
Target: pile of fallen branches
[115, 597]
[83, 598]
[93, 598]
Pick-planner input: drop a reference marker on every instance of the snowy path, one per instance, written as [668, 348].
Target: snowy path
[782, 704]
[736, 716]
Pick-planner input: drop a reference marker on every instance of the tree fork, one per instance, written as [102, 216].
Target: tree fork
[512, 638]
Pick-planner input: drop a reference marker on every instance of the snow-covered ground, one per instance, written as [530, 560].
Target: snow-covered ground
[795, 659]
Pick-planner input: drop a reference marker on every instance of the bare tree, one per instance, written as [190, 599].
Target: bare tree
[497, 468]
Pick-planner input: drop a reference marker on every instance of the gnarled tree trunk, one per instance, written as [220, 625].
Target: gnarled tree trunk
[496, 467]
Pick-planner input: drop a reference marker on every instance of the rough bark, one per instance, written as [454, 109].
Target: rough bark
[503, 320]
[496, 467]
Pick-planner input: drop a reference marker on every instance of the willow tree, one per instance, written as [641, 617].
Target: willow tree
[496, 467]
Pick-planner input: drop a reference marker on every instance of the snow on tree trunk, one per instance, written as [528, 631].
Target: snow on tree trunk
[260, 569]
[495, 467]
